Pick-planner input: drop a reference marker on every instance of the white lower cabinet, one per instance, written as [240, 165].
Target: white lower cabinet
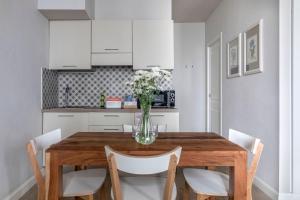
[170, 120]
[69, 123]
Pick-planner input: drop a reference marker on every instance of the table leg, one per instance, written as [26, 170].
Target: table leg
[53, 178]
[238, 179]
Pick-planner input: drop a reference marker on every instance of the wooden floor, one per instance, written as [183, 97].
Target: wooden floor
[257, 193]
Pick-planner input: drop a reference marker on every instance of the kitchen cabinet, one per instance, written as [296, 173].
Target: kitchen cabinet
[72, 122]
[168, 119]
[67, 9]
[69, 123]
[70, 45]
[153, 44]
[111, 42]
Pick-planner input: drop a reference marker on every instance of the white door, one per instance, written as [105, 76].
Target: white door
[214, 86]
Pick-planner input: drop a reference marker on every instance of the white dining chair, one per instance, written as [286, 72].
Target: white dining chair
[143, 187]
[75, 183]
[127, 128]
[209, 183]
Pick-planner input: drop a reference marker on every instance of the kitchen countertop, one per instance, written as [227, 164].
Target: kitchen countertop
[126, 110]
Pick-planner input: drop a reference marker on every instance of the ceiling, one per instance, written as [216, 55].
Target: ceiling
[193, 10]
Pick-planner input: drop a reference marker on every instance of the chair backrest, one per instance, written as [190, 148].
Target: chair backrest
[39, 144]
[127, 128]
[246, 141]
[253, 146]
[162, 128]
[142, 165]
[44, 141]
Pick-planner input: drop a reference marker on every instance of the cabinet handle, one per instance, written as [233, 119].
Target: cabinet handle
[111, 115]
[152, 66]
[69, 66]
[65, 115]
[111, 129]
[157, 115]
[111, 49]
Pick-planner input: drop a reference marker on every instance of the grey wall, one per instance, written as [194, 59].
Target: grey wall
[133, 9]
[250, 103]
[23, 51]
[189, 75]
[296, 99]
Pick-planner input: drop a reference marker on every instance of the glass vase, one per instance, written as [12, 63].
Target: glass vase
[145, 134]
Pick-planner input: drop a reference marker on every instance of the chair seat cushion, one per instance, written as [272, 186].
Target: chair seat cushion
[83, 182]
[144, 188]
[207, 182]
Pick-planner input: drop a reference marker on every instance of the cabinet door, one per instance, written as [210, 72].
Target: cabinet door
[70, 44]
[153, 44]
[111, 36]
[110, 119]
[69, 123]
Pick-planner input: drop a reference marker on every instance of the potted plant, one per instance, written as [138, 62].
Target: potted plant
[144, 85]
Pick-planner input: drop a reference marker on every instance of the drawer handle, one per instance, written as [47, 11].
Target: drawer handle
[157, 115]
[65, 115]
[152, 66]
[111, 49]
[111, 115]
[111, 129]
[69, 66]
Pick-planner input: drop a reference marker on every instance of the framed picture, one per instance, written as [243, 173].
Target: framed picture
[253, 49]
[234, 57]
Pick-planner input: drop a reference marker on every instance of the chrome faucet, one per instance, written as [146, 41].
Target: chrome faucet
[67, 93]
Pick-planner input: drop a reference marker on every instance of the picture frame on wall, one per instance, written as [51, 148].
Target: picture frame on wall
[234, 57]
[253, 49]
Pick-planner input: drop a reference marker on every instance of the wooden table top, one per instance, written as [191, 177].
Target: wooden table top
[189, 141]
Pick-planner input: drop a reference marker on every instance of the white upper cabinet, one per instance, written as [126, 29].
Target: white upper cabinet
[67, 9]
[153, 44]
[111, 42]
[70, 44]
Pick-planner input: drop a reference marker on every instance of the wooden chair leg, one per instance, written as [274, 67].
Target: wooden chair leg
[186, 191]
[202, 197]
[41, 194]
[104, 192]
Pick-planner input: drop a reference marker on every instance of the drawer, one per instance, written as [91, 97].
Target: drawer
[96, 128]
[110, 119]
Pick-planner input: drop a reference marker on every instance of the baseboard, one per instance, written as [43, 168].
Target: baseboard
[20, 191]
[288, 196]
[267, 189]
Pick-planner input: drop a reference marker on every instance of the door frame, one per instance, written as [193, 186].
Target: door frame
[218, 38]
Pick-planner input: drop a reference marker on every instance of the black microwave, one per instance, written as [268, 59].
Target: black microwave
[163, 99]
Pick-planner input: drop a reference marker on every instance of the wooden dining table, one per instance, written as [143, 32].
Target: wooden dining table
[198, 149]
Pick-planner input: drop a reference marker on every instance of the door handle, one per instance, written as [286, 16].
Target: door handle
[111, 49]
[111, 115]
[65, 115]
[69, 66]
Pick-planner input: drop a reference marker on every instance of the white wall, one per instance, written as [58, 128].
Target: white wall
[296, 98]
[23, 51]
[133, 9]
[250, 103]
[190, 82]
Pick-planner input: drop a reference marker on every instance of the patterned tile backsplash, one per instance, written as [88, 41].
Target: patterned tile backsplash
[85, 87]
[50, 88]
